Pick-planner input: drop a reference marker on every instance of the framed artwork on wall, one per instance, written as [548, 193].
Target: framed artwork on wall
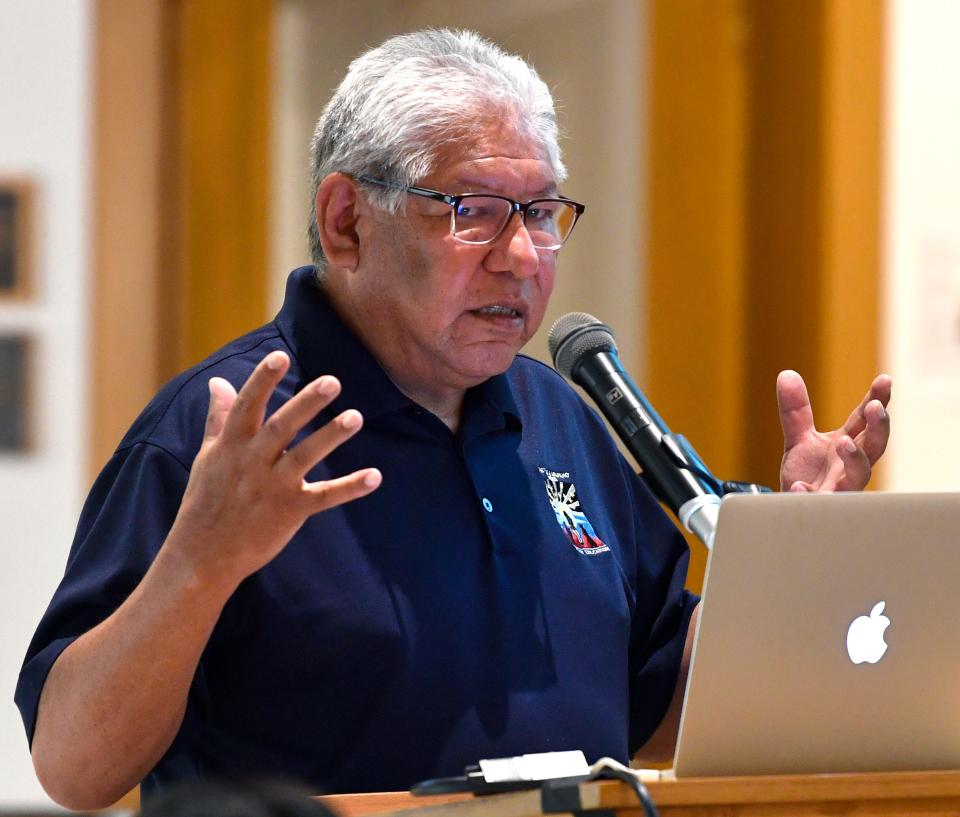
[15, 377]
[16, 237]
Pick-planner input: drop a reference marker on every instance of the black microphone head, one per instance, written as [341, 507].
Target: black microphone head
[575, 334]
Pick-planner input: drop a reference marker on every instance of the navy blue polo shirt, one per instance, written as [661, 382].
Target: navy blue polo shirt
[509, 588]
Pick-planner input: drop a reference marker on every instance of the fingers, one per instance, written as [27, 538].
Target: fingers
[330, 493]
[873, 439]
[879, 391]
[856, 467]
[222, 397]
[849, 470]
[287, 421]
[869, 423]
[240, 416]
[318, 445]
[284, 424]
[246, 415]
[881, 388]
[322, 496]
[796, 415]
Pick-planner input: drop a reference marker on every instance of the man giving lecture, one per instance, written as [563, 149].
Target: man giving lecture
[331, 551]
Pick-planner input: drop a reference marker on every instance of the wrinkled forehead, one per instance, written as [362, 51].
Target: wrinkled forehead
[496, 157]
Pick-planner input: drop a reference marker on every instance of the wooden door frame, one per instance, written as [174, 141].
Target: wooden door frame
[181, 193]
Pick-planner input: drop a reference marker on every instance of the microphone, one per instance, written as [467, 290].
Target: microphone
[584, 351]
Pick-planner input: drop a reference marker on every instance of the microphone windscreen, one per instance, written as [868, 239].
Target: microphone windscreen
[575, 334]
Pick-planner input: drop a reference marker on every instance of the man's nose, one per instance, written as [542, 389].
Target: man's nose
[522, 257]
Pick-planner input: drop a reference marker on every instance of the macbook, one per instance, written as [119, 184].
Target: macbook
[829, 639]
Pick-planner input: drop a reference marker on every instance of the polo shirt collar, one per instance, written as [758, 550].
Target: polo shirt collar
[491, 406]
[323, 344]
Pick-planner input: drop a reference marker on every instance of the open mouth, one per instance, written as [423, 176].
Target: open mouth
[499, 311]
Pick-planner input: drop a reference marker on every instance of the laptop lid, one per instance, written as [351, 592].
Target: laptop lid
[829, 638]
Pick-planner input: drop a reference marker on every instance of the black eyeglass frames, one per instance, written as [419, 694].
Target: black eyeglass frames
[480, 218]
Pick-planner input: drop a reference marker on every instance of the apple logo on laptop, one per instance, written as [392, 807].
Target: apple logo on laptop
[865, 637]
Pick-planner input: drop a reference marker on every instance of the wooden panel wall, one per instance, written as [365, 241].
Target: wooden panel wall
[813, 209]
[695, 297]
[130, 157]
[223, 54]
[852, 205]
[764, 207]
[782, 229]
[181, 180]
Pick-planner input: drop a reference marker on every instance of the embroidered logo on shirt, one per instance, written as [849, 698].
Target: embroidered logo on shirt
[572, 521]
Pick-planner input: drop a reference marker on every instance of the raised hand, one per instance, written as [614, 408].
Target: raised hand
[247, 494]
[839, 460]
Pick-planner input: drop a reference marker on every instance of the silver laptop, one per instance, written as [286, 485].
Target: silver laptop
[829, 639]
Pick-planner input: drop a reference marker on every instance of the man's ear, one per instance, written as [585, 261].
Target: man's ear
[337, 213]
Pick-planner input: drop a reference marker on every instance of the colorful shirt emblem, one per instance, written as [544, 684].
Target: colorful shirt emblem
[572, 520]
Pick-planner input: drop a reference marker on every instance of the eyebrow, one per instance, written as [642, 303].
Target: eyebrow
[475, 186]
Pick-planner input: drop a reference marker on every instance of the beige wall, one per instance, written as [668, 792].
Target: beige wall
[921, 328]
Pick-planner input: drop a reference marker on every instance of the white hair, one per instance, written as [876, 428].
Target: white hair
[403, 102]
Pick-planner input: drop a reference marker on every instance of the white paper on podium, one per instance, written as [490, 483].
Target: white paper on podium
[540, 766]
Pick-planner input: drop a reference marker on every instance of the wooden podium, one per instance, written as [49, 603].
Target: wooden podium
[931, 794]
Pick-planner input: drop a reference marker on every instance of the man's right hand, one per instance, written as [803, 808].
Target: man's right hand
[115, 698]
[247, 494]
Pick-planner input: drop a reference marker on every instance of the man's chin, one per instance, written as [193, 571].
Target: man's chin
[488, 365]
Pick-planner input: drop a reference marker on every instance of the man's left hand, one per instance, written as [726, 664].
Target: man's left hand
[840, 460]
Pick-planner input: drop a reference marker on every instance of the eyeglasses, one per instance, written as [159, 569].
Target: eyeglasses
[479, 218]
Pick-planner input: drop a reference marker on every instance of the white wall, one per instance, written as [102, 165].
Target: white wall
[45, 101]
[592, 55]
[922, 235]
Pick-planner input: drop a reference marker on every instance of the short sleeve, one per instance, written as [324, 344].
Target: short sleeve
[661, 616]
[124, 521]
